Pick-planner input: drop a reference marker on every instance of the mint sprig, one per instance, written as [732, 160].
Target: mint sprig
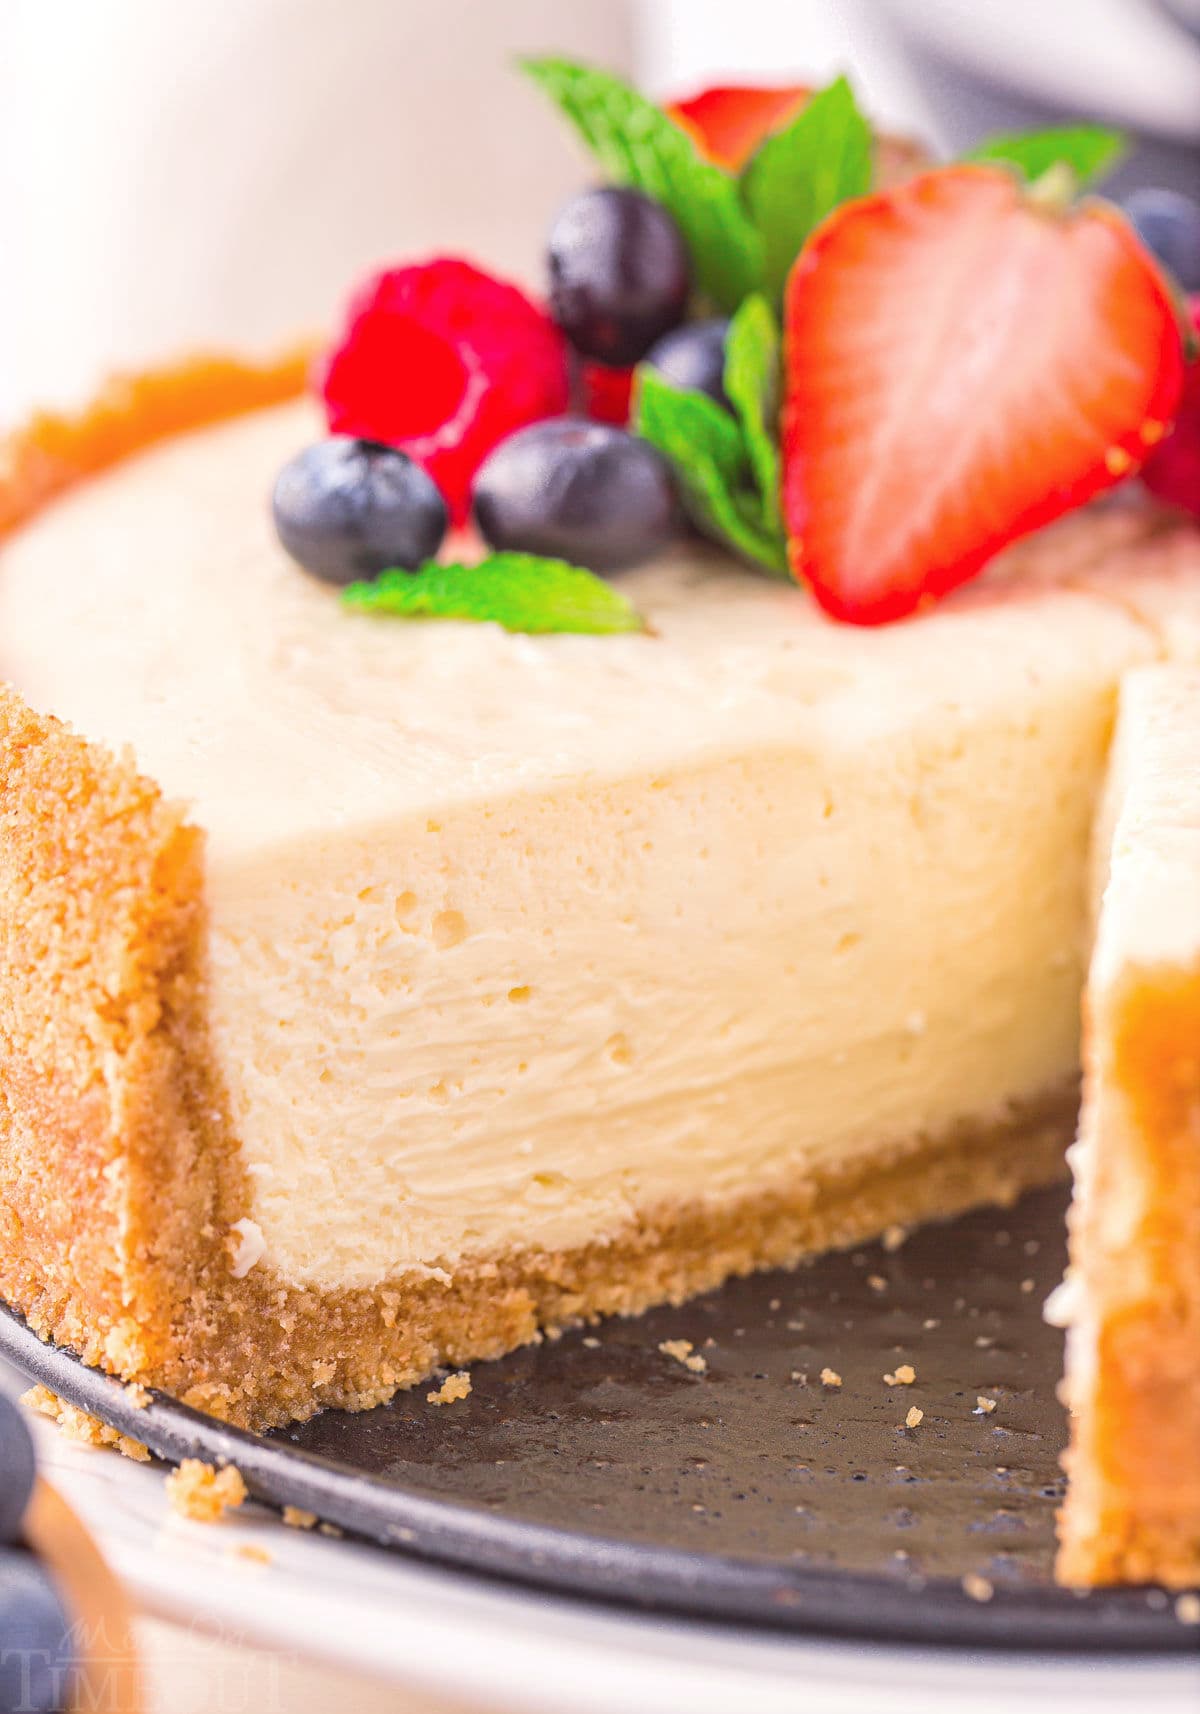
[1090, 151]
[801, 173]
[707, 450]
[519, 591]
[638, 145]
[752, 385]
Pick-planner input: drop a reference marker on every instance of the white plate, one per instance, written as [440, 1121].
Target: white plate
[496, 1648]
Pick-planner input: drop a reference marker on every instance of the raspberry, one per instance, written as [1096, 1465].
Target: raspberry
[444, 361]
[1172, 472]
[603, 394]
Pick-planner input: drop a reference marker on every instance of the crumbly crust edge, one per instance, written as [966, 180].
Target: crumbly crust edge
[117, 1171]
[53, 452]
[1132, 1509]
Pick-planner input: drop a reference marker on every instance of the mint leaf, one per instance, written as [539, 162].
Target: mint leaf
[752, 358]
[638, 145]
[800, 174]
[520, 591]
[1091, 151]
[705, 448]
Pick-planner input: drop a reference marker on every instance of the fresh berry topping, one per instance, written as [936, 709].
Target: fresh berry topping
[619, 273]
[963, 364]
[444, 361]
[347, 509]
[693, 356]
[1172, 472]
[577, 491]
[1168, 224]
[604, 394]
[728, 122]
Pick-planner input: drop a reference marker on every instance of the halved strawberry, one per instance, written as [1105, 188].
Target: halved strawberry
[963, 364]
[729, 121]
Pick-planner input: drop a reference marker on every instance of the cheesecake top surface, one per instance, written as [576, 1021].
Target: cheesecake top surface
[154, 607]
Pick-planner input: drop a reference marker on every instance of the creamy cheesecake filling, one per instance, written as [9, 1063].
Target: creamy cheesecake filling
[513, 939]
[528, 1022]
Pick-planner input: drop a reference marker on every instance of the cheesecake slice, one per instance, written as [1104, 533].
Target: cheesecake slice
[1133, 1294]
[379, 993]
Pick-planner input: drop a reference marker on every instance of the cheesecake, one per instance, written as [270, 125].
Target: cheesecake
[382, 995]
[1132, 1297]
[565, 800]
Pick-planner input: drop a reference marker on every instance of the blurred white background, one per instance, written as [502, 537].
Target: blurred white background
[176, 175]
[173, 176]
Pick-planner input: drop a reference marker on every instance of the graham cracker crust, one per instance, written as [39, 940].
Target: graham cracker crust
[120, 1177]
[1132, 1511]
[52, 453]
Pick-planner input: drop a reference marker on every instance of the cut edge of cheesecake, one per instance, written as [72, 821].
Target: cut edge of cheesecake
[1132, 1297]
[120, 1177]
[121, 1184]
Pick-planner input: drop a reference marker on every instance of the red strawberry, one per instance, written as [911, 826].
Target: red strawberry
[444, 361]
[728, 122]
[962, 367]
[1172, 472]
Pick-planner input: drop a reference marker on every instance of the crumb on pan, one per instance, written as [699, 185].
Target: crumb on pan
[904, 1376]
[137, 1395]
[296, 1518]
[877, 1282]
[830, 1378]
[202, 1492]
[893, 1237]
[455, 1386]
[984, 1406]
[915, 1417]
[682, 1351]
[253, 1552]
[977, 1587]
[77, 1425]
[329, 1529]
[1187, 1609]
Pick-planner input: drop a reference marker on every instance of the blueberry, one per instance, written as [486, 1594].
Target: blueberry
[347, 508]
[576, 490]
[1168, 224]
[35, 1651]
[693, 356]
[16, 1469]
[619, 274]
